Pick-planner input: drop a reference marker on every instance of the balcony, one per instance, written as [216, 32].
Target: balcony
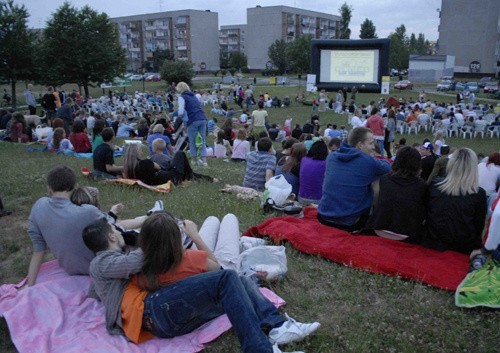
[181, 47]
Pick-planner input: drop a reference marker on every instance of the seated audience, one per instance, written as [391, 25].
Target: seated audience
[350, 171]
[60, 142]
[489, 174]
[18, 129]
[312, 173]
[260, 165]
[457, 206]
[158, 132]
[96, 133]
[222, 147]
[103, 156]
[428, 159]
[136, 303]
[291, 167]
[79, 138]
[400, 209]
[163, 160]
[439, 169]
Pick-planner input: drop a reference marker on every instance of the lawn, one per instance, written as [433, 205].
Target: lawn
[359, 312]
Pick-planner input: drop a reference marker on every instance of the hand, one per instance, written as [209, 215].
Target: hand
[116, 209]
[191, 229]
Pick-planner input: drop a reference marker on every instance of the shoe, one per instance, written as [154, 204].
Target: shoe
[157, 207]
[291, 331]
[277, 350]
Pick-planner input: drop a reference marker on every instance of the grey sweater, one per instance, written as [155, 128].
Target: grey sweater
[110, 271]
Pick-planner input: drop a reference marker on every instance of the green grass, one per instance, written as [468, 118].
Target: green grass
[359, 312]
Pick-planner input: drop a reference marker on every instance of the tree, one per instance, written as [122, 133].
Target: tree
[399, 53]
[367, 30]
[81, 46]
[16, 45]
[422, 46]
[238, 60]
[299, 54]
[160, 56]
[345, 18]
[176, 71]
[224, 58]
[412, 44]
[277, 53]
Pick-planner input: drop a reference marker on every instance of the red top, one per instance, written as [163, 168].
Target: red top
[80, 142]
[376, 124]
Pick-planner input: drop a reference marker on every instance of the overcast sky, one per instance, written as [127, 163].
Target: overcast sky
[419, 16]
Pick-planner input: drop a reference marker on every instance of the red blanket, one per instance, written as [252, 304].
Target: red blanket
[443, 270]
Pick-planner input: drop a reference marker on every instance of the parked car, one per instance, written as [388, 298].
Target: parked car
[136, 77]
[153, 77]
[484, 80]
[405, 84]
[394, 72]
[459, 86]
[472, 87]
[491, 87]
[445, 85]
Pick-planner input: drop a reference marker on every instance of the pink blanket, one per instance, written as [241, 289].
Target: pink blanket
[56, 316]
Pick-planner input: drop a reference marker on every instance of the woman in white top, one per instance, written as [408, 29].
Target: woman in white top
[356, 120]
[438, 142]
[489, 174]
[241, 147]
[222, 148]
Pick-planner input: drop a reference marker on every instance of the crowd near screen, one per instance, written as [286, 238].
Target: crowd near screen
[349, 66]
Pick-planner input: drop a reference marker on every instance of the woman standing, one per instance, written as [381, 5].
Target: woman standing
[390, 130]
[259, 120]
[196, 123]
[457, 206]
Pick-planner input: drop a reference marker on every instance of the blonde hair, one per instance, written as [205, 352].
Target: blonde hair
[461, 174]
[158, 129]
[182, 87]
[159, 145]
[85, 196]
[242, 134]
[132, 158]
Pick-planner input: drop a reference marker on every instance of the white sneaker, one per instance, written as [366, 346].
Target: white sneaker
[157, 207]
[291, 331]
[277, 350]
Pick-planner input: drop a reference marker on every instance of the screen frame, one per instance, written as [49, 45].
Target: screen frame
[382, 45]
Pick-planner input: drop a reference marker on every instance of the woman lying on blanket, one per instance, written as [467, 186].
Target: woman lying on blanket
[151, 173]
[149, 304]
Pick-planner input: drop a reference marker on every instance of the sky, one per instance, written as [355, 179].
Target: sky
[419, 16]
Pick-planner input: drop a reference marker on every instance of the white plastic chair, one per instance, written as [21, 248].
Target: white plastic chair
[401, 126]
[453, 130]
[494, 130]
[467, 130]
[413, 126]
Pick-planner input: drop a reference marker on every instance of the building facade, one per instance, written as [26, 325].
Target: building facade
[189, 34]
[232, 38]
[267, 24]
[430, 68]
[470, 31]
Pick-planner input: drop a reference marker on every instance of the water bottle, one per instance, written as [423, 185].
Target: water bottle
[477, 262]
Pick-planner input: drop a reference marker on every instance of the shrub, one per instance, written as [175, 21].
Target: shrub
[176, 71]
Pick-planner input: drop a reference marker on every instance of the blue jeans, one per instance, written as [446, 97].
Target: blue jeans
[183, 306]
[195, 127]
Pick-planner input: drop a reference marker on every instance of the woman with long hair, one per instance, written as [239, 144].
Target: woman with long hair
[401, 206]
[96, 134]
[60, 142]
[151, 173]
[79, 138]
[438, 142]
[18, 129]
[312, 173]
[291, 168]
[241, 147]
[390, 131]
[457, 206]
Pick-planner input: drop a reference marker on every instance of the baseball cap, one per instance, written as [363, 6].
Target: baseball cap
[428, 146]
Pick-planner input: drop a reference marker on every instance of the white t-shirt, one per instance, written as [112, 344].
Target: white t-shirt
[259, 117]
[240, 149]
[489, 176]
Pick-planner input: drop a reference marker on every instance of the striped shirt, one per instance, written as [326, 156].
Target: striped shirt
[258, 162]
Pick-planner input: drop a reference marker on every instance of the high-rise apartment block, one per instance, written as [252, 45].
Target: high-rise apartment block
[267, 24]
[188, 34]
[232, 39]
[470, 31]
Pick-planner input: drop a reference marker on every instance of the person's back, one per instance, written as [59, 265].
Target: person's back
[260, 165]
[312, 174]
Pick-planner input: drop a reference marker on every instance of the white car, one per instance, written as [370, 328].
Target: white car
[136, 77]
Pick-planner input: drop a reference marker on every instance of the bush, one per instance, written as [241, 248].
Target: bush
[232, 71]
[270, 72]
[245, 70]
[215, 72]
[223, 72]
[176, 71]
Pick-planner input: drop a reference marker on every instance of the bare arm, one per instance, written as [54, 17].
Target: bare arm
[269, 174]
[114, 168]
[35, 263]
[192, 231]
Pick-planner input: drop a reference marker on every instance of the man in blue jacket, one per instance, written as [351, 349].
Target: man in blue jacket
[347, 188]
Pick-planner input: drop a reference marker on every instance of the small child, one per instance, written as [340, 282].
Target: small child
[163, 160]
[60, 142]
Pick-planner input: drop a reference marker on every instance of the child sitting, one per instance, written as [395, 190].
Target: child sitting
[60, 142]
[163, 160]
[222, 148]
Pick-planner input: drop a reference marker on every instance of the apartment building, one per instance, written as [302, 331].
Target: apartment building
[470, 31]
[232, 38]
[267, 24]
[189, 34]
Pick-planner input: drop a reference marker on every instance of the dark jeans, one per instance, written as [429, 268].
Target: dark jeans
[183, 306]
[360, 223]
[179, 170]
[32, 110]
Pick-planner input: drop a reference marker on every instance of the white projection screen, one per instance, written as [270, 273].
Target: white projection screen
[349, 66]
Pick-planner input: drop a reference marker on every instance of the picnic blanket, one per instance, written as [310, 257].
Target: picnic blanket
[480, 287]
[164, 188]
[443, 270]
[56, 316]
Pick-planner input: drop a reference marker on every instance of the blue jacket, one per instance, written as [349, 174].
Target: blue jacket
[347, 192]
[193, 107]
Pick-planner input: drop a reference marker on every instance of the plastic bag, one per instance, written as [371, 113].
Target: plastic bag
[277, 189]
[42, 133]
[263, 262]
[250, 242]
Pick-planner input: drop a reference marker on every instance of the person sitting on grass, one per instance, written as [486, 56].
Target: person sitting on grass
[79, 138]
[18, 129]
[146, 304]
[59, 142]
[241, 147]
[222, 147]
[260, 165]
[151, 173]
[163, 160]
[312, 173]
[158, 132]
[56, 223]
[104, 161]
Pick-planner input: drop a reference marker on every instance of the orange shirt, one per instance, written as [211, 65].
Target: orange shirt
[410, 118]
[193, 263]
